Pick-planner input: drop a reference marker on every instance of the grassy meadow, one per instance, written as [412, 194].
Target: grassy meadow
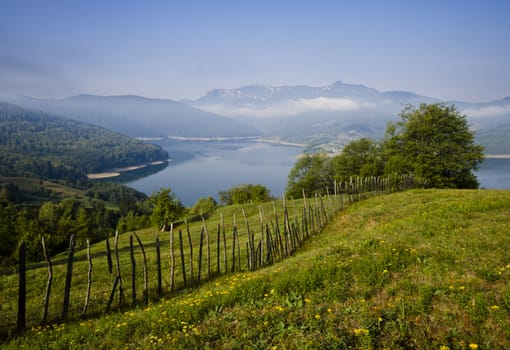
[420, 269]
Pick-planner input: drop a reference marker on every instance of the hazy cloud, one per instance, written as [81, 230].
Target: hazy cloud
[489, 111]
[286, 108]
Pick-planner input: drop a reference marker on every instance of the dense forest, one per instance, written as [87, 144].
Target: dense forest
[44, 191]
[37, 144]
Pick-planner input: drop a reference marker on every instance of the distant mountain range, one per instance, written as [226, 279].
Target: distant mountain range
[337, 113]
[269, 101]
[325, 117]
[141, 117]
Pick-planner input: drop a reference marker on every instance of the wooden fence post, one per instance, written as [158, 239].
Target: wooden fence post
[158, 264]
[109, 254]
[250, 251]
[89, 279]
[117, 260]
[145, 272]
[22, 293]
[183, 264]
[48, 283]
[172, 259]
[234, 248]
[261, 214]
[208, 247]
[69, 275]
[112, 294]
[224, 243]
[191, 277]
[218, 249]
[200, 255]
[133, 270]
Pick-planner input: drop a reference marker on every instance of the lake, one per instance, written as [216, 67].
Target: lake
[494, 173]
[202, 168]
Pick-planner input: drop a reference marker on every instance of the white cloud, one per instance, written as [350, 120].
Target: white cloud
[286, 108]
[489, 111]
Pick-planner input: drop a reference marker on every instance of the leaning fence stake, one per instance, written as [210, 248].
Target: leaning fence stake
[22, 294]
[69, 275]
[48, 284]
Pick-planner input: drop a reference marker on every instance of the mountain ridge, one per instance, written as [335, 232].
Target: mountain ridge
[139, 116]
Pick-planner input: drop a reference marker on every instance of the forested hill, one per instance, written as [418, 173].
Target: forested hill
[38, 144]
[142, 117]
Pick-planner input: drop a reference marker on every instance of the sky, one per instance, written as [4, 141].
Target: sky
[449, 49]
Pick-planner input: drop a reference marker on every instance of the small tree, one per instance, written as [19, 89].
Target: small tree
[166, 208]
[435, 143]
[358, 158]
[311, 173]
[204, 206]
[245, 193]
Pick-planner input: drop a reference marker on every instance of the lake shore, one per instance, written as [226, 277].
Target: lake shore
[117, 171]
[498, 156]
[237, 138]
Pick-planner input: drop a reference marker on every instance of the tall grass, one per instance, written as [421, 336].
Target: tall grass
[424, 269]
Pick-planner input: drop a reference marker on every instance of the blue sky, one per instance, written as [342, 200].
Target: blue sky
[454, 50]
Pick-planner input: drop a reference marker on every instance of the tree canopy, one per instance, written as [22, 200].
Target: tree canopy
[245, 193]
[42, 145]
[358, 158]
[311, 173]
[204, 206]
[432, 141]
[167, 208]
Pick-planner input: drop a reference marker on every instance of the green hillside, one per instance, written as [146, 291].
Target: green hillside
[421, 269]
[37, 144]
[495, 140]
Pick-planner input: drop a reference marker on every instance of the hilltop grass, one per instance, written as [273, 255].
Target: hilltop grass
[424, 269]
[103, 279]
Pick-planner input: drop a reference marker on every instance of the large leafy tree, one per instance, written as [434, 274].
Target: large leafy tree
[358, 158]
[434, 142]
[167, 208]
[312, 173]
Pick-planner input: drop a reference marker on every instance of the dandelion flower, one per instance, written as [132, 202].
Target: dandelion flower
[360, 331]
[473, 346]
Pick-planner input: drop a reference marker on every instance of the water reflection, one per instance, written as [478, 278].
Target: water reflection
[202, 168]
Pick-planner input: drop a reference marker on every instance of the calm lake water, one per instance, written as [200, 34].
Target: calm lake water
[202, 168]
[494, 173]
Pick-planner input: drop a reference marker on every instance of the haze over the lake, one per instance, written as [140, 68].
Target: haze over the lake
[453, 50]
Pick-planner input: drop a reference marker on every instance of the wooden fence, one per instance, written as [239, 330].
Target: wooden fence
[194, 257]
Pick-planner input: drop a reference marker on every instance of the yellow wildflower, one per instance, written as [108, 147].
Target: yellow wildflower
[360, 331]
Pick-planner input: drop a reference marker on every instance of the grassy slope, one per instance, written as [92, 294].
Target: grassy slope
[419, 269]
[34, 185]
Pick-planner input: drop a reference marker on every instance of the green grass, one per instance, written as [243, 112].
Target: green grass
[423, 269]
[32, 187]
[102, 280]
